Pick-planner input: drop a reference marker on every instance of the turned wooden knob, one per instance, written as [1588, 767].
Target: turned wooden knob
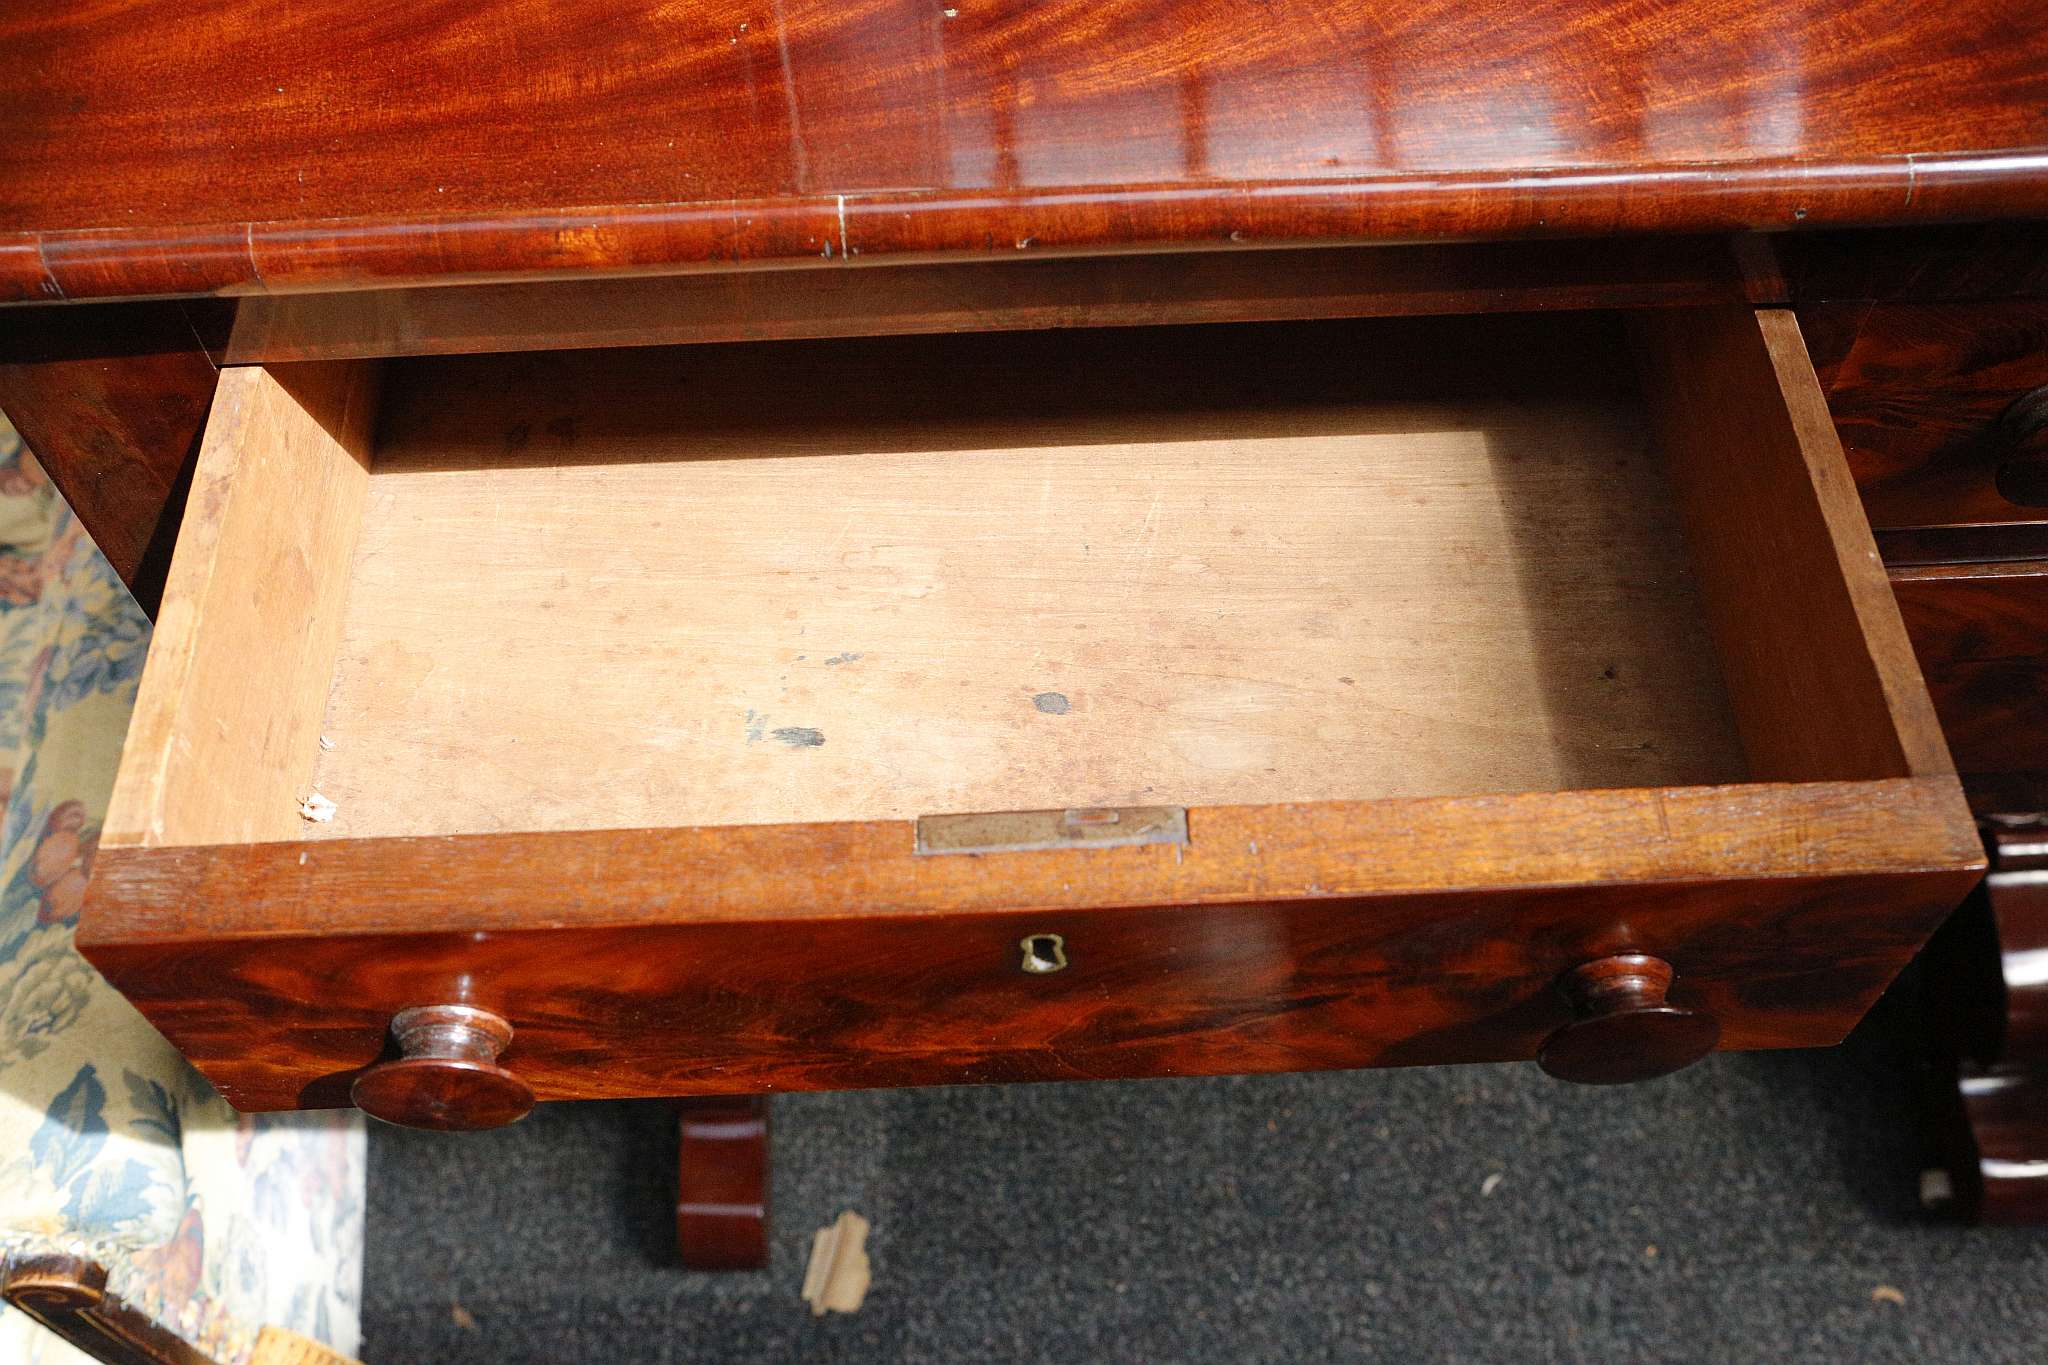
[1625, 1030]
[447, 1074]
[2020, 435]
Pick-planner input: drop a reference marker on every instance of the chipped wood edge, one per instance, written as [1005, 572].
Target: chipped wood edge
[837, 1276]
[277, 1346]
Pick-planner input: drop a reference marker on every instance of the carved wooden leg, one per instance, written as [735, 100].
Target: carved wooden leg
[68, 1295]
[722, 1190]
[1989, 998]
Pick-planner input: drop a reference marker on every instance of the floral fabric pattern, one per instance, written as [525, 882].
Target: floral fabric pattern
[111, 1146]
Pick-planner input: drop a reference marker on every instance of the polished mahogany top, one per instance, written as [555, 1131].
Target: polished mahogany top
[188, 146]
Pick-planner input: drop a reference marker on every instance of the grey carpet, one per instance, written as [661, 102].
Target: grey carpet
[1745, 1210]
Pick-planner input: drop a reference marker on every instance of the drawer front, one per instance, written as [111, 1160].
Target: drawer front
[1918, 393]
[1981, 633]
[1612, 899]
[1275, 939]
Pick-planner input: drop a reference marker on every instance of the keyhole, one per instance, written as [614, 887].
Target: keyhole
[1044, 952]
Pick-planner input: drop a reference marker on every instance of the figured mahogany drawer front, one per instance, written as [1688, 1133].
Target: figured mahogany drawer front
[1981, 633]
[1943, 412]
[561, 725]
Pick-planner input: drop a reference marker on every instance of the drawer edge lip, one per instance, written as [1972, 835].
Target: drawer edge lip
[1907, 828]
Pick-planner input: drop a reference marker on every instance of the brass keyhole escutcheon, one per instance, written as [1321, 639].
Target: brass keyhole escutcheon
[1044, 953]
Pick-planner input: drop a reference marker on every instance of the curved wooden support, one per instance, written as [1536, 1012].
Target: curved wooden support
[1625, 1030]
[1989, 996]
[722, 1185]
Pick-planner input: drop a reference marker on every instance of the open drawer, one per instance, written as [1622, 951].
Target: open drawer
[1388, 692]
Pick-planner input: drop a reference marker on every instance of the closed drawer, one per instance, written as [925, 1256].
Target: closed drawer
[1943, 410]
[1981, 633]
[1370, 677]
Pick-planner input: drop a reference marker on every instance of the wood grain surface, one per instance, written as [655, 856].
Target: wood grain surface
[212, 145]
[1183, 567]
[1915, 389]
[1000, 294]
[724, 1184]
[1974, 613]
[226, 721]
[1818, 664]
[1995, 713]
[1929, 264]
[1981, 632]
[739, 959]
[112, 401]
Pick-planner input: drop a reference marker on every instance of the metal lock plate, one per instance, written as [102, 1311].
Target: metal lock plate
[1025, 831]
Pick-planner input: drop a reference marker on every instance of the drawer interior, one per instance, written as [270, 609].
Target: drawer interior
[1477, 650]
[876, 579]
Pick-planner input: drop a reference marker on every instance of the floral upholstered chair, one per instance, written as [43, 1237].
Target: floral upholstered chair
[141, 1219]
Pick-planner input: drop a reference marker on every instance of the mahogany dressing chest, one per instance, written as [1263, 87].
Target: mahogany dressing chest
[705, 550]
